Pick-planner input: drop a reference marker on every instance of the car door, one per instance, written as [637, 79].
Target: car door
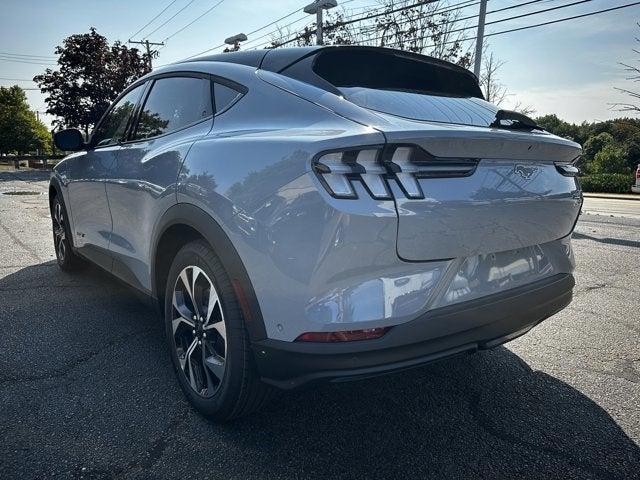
[87, 174]
[177, 110]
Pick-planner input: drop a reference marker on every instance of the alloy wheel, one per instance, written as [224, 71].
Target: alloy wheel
[199, 331]
[59, 233]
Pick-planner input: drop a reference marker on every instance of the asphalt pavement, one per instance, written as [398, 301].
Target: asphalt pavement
[87, 390]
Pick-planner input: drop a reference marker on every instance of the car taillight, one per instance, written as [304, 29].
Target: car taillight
[336, 170]
[374, 166]
[344, 336]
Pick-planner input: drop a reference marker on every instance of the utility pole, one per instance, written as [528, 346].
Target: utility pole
[150, 53]
[480, 37]
[317, 7]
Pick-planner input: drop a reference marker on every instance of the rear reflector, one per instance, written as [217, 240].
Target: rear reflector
[344, 336]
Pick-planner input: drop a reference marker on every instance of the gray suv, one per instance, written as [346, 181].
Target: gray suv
[319, 214]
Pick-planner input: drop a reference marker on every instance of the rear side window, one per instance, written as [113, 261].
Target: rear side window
[224, 96]
[174, 103]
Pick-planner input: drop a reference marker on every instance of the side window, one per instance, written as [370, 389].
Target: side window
[174, 103]
[225, 96]
[114, 125]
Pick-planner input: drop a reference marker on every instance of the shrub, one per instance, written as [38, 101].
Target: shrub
[611, 159]
[607, 183]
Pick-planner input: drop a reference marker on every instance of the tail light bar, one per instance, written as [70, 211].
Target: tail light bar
[374, 166]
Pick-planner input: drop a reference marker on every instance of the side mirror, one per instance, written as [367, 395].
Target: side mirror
[69, 140]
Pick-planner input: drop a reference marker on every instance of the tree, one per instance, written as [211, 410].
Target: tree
[595, 144]
[493, 90]
[634, 72]
[20, 130]
[424, 28]
[611, 159]
[553, 124]
[90, 76]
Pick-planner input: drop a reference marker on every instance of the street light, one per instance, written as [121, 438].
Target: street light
[317, 7]
[235, 41]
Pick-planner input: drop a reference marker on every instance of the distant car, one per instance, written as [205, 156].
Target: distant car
[636, 188]
[319, 214]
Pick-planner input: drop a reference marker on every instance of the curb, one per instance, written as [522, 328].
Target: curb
[612, 196]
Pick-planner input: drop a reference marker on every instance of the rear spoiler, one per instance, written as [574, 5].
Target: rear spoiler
[333, 67]
[514, 121]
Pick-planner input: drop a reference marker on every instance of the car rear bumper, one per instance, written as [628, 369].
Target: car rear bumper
[466, 327]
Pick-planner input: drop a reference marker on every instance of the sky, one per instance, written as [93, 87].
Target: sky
[570, 68]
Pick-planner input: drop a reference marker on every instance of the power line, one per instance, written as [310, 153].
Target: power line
[25, 56]
[388, 12]
[464, 4]
[306, 17]
[462, 19]
[457, 6]
[551, 22]
[169, 19]
[193, 21]
[152, 20]
[254, 31]
[274, 22]
[42, 63]
[473, 27]
[264, 27]
[526, 14]
[620, 7]
[378, 14]
[17, 79]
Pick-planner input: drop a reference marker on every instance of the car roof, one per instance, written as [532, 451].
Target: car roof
[267, 59]
[278, 59]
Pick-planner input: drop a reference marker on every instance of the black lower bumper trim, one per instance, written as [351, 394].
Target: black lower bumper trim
[444, 332]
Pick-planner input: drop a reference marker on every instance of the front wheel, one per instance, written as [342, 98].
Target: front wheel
[67, 259]
[208, 343]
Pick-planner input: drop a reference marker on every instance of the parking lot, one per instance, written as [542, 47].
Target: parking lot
[87, 389]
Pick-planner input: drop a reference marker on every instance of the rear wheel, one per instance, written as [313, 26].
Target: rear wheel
[67, 259]
[208, 342]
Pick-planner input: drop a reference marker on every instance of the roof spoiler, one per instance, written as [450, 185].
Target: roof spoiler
[515, 121]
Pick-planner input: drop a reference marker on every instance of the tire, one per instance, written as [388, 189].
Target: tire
[66, 257]
[211, 357]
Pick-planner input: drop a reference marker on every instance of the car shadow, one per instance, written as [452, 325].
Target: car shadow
[609, 241]
[85, 370]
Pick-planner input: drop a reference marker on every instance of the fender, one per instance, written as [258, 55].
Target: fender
[208, 227]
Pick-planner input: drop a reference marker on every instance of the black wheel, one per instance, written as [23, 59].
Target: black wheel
[67, 259]
[207, 339]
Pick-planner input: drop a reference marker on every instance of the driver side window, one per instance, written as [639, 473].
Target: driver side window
[113, 127]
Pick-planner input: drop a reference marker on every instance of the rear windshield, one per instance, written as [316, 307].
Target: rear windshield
[406, 86]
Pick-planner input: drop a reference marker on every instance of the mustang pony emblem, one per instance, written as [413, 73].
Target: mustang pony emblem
[525, 172]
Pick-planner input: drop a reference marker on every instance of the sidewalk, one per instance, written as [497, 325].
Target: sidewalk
[613, 196]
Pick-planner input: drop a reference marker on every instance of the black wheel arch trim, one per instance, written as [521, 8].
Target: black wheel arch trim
[199, 220]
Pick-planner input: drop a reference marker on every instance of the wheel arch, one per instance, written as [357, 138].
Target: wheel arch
[184, 222]
[54, 191]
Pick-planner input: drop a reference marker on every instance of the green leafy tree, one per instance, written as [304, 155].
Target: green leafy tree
[595, 144]
[90, 75]
[20, 130]
[611, 159]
